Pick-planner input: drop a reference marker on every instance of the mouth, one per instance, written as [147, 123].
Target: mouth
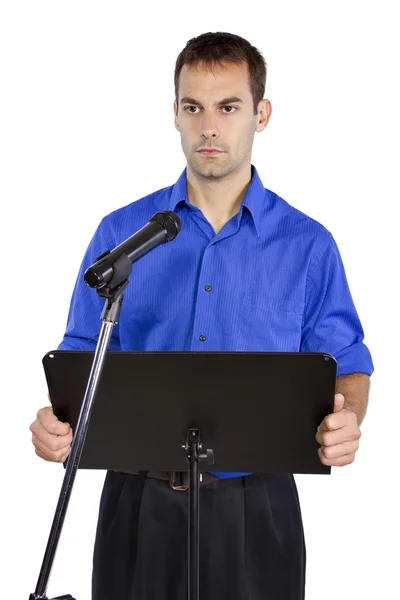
[209, 151]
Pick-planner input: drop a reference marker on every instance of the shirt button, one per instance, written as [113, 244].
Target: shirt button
[202, 338]
[208, 288]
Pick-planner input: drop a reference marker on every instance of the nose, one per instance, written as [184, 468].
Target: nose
[209, 129]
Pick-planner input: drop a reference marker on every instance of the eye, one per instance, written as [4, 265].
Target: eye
[193, 110]
[229, 109]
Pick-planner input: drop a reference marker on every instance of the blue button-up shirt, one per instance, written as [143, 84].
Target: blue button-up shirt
[271, 280]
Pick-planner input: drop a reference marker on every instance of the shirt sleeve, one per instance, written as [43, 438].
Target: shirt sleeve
[84, 318]
[331, 323]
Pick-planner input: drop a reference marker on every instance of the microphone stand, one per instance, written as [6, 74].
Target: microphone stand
[113, 293]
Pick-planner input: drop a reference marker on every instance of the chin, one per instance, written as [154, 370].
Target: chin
[211, 170]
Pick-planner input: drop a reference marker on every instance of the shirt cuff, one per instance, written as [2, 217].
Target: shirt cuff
[354, 359]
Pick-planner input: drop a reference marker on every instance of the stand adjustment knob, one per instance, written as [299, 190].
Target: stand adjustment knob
[207, 457]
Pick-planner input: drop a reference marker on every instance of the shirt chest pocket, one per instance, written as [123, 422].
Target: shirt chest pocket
[271, 324]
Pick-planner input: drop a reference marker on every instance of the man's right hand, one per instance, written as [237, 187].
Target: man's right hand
[52, 438]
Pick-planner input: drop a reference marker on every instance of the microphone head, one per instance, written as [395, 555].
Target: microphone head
[169, 221]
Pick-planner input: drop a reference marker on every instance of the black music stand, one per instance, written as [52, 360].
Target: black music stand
[252, 412]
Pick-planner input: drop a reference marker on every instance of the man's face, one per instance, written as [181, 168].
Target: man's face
[216, 118]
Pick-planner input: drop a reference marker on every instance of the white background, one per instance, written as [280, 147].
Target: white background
[87, 126]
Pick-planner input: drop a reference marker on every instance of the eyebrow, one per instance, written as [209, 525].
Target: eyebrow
[224, 101]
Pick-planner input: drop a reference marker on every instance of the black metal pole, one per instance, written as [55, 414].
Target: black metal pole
[194, 514]
[73, 459]
[194, 455]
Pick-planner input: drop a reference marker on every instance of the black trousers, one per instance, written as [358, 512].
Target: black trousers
[251, 540]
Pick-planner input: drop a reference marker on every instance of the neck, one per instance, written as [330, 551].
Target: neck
[218, 199]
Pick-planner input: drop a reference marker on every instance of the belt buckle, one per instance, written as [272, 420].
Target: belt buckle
[179, 487]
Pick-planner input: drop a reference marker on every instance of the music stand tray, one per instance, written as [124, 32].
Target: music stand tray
[258, 411]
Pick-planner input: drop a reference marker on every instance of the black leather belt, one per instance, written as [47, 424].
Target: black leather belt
[178, 480]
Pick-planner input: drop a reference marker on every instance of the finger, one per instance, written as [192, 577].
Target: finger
[347, 459]
[50, 443]
[58, 455]
[49, 459]
[340, 436]
[338, 403]
[51, 423]
[53, 443]
[52, 449]
[333, 452]
[43, 455]
[48, 419]
[339, 420]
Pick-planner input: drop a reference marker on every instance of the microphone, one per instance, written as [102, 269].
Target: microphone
[162, 227]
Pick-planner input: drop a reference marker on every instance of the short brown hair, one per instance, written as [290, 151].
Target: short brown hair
[216, 48]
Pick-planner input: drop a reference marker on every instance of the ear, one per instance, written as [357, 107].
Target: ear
[176, 115]
[263, 114]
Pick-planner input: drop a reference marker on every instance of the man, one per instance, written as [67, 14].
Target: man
[247, 272]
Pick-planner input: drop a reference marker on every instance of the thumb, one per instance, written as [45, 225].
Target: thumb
[339, 403]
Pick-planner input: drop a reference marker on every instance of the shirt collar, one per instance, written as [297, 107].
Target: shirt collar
[253, 199]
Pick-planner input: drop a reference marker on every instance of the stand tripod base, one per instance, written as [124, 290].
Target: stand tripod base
[65, 597]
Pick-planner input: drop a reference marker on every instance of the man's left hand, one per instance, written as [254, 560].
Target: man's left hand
[338, 435]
